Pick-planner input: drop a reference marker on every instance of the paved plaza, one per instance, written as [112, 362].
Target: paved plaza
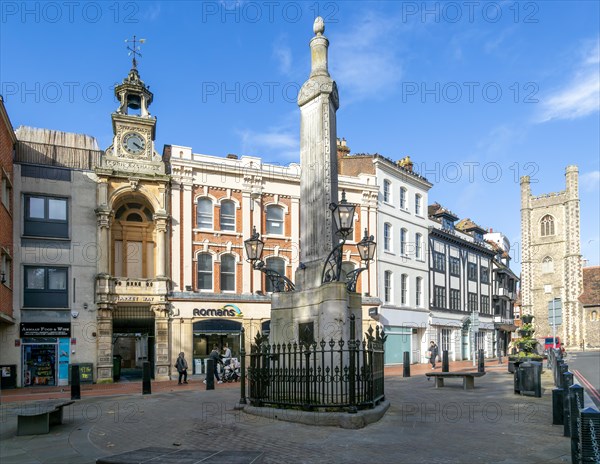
[423, 424]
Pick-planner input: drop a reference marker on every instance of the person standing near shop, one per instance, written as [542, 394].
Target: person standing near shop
[216, 357]
[182, 367]
[226, 354]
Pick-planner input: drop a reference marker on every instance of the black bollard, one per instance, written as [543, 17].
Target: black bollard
[557, 406]
[445, 363]
[480, 361]
[75, 383]
[406, 364]
[575, 400]
[567, 382]
[210, 374]
[146, 386]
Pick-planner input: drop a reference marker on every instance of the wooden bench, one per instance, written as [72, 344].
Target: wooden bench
[36, 418]
[468, 378]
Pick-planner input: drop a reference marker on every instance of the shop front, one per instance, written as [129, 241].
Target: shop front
[200, 325]
[45, 353]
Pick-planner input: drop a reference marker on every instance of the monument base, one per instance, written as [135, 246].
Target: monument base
[317, 314]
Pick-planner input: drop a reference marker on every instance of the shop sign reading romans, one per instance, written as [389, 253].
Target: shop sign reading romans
[228, 310]
[45, 329]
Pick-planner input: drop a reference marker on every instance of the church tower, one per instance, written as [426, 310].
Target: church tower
[132, 218]
[551, 268]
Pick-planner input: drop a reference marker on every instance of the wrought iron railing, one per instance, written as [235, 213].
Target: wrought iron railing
[332, 374]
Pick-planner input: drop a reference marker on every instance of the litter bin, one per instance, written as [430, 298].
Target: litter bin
[117, 366]
[530, 379]
[8, 376]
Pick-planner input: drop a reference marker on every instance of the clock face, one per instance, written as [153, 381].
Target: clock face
[134, 143]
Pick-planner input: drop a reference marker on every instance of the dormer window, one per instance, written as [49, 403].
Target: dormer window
[447, 224]
[478, 236]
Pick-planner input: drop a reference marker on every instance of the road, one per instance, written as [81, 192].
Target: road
[586, 366]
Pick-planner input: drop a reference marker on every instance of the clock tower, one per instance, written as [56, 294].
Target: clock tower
[134, 129]
[132, 235]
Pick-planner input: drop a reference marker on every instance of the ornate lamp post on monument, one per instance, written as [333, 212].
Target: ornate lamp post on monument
[254, 248]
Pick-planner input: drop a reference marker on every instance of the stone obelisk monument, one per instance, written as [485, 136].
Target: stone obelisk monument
[316, 310]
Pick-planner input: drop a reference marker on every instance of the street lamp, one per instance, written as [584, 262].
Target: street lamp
[254, 248]
[343, 216]
[366, 250]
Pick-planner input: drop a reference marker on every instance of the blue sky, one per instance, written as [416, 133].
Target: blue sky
[477, 93]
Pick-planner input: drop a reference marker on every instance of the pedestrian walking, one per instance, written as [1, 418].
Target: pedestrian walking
[216, 357]
[182, 367]
[433, 353]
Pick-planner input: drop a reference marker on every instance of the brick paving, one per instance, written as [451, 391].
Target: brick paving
[424, 424]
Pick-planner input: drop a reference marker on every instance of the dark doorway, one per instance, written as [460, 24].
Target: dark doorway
[133, 342]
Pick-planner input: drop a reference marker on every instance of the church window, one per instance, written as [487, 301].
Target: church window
[547, 225]
[547, 265]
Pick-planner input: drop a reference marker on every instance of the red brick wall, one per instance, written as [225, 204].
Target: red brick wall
[6, 218]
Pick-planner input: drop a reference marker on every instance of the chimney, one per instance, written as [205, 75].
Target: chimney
[342, 148]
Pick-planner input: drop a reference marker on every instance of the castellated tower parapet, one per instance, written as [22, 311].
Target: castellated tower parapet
[551, 265]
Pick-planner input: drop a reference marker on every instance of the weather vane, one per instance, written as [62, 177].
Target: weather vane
[135, 50]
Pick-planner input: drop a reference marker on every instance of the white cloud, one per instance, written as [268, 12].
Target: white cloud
[363, 62]
[283, 55]
[152, 12]
[590, 181]
[581, 96]
[275, 144]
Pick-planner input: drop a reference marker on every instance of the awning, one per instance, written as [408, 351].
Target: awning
[446, 322]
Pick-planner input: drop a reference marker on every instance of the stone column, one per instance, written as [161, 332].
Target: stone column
[161, 341]
[188, 223]
[175, 252]
[160, 224]
[318, 101]
[104, 365]
[526, 283]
